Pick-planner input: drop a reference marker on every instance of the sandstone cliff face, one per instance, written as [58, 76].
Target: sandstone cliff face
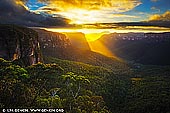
[78, 40]
[19, 44]
[53, 44]
[52, 39]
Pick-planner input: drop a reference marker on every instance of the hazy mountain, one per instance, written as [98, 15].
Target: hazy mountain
[58, 45]
[145, 48]
[108, 85]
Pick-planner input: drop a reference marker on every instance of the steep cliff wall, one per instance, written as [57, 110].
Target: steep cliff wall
[53, 44]
[144, 48]
[19, 44]
[78, 40]
[52, 39]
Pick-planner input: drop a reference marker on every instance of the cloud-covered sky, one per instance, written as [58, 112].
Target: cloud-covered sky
[16, 12]
[96, 11]
[62, 12]
[160, 17]
[88, 11]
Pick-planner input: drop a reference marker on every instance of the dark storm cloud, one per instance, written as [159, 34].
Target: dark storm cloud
[15, 12]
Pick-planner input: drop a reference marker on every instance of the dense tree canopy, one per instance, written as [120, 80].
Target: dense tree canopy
[91, 90]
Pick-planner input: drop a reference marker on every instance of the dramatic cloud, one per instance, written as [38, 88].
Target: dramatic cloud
[113, 5]
[88, 11]
[125, 16]
[157, 20]
[163, 17]
[48, 10]
[55, 12]
[15, 12]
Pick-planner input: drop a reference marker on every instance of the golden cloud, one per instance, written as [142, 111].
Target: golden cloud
[85, 11]
[124, 16]
[114, 5]
[163, 17]
[21, 3]
[49, 10]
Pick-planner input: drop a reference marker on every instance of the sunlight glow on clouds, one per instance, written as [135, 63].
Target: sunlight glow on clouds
[63, 12]
[89, 11]
[21, 3]
[163, 17]
[113, 5]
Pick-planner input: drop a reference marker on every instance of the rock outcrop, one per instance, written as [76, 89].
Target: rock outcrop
[78, 40]
[144, 48]
[53, 44]
[19, 44]
[52, 39]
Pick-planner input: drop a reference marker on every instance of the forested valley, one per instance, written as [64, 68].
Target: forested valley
[78, 81]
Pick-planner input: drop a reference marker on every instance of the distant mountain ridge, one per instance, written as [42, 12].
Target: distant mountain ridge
[23, 43]
[58, 45]
[145, 48]
[28, 47]
[83, 80]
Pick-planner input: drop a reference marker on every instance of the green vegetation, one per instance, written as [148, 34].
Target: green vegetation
[95, 84]
[79, 67]
[47, 86]
[83, 88]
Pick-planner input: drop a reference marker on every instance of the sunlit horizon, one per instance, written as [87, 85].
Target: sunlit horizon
[92, 34]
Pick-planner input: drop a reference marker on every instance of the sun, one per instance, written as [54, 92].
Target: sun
[83, 16]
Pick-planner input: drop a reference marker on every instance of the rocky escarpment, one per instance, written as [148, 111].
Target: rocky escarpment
[58, 45]
[144, 48]
[52, 39]
[19, 44]
[57, 40]
[78, 40]
[53, 44]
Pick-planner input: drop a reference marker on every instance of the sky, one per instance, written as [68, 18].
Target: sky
[101, 11]
[17, 12]
[61, 13]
